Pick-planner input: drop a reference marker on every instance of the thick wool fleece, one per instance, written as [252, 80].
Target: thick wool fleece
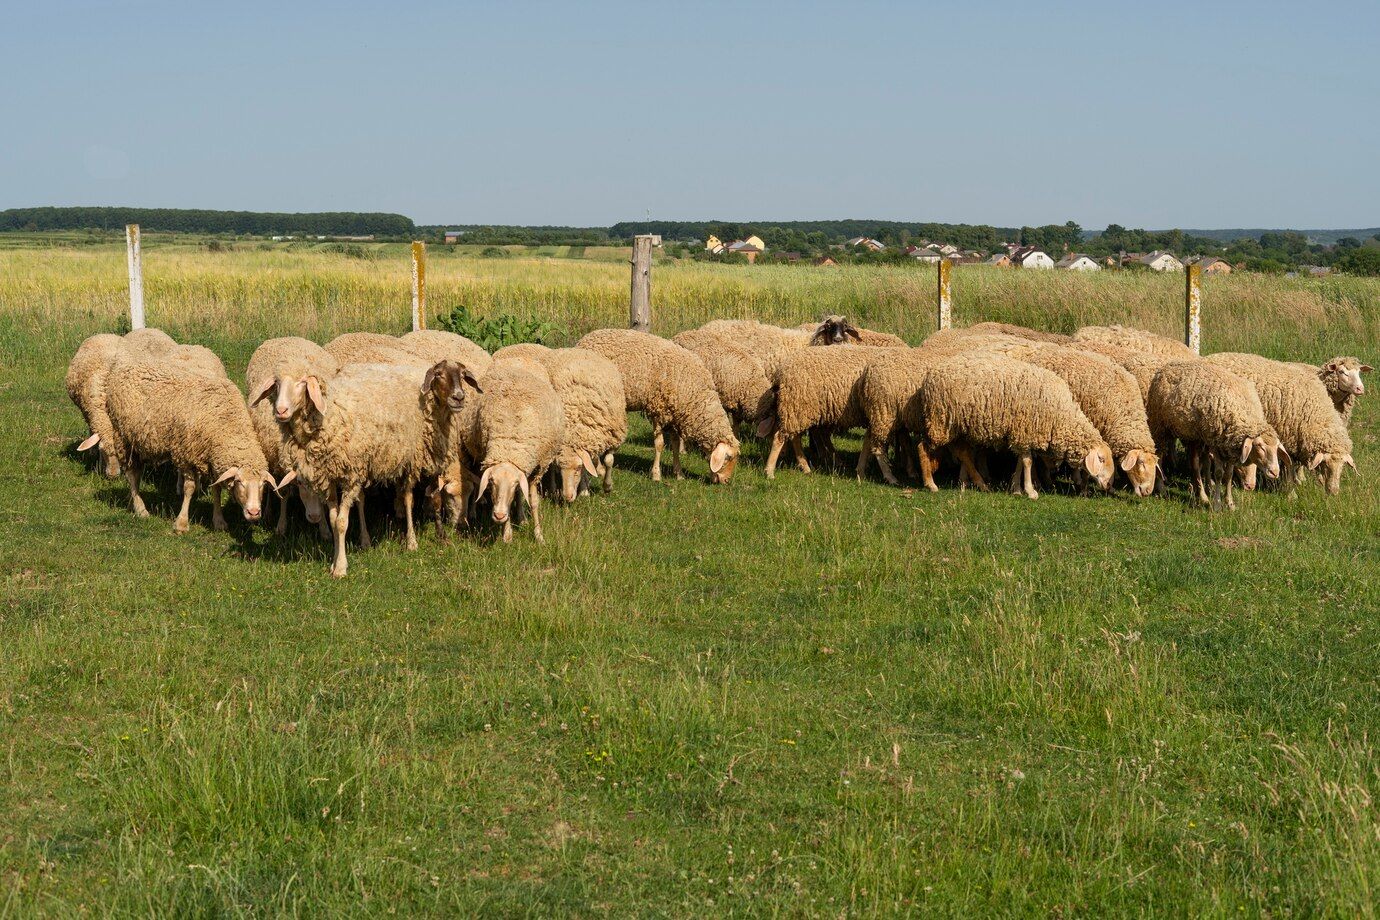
[820, 387]
[591, 393]
[434, 345]
[377, 427]
[768, 344]
[1141, 365]
[666, 383]
[1296, 404]
[1020, 332]
[1200, 402]
[993, 401]
[518, 419]
[285, 357]
[196, 358]
[161, 411]
[86, 374]
[1136, 340]
[152, 341]
[739, 377]
[890, 387]
[371, 348]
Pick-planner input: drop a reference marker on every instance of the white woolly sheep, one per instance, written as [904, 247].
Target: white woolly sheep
[1136, 340]
[372, 348]
[161, 410]
[1298, 407]
[992, 401]
[673, 389]
[433, 345]
[1211, 410]
[888, 392]
[1342, 378]
[739, 376]
[85, 383]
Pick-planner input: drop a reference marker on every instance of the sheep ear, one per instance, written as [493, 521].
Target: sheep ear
[472, 380]
[288, 477]
[853, 334]
[719, 458]
[262, 390]
[232, 473]
[1093, 462]
[1129, 461]
[1332, 366]
[1285, 454]
[1318, 458]
[484, 480]
[587, 462]
[89, 442]
[1246, 449]
[452, 487]
[766, 426]
[1351, 463]
[1366, 368]
[526, 488]
[431, 374]
[314, 393]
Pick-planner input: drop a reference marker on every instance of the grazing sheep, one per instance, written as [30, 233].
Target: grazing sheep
[816, 388]
[837, 330]
[1020, 332]
[1136, 340]
[596, 415]
[1342, 377]
[1211, 410]
[739, 377]
[1298, 407]
[674, 389]
[1141, 365]
[161, 410]
[889, 389]
[511, 433]
[966, 338]
[374, 424]
[768, 344]
[277, 379]
[372, 348]
[432, 345]
[86, 377]
[992, 401]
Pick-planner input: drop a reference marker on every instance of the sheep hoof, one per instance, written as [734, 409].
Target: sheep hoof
[1032, 495]
[180, 527]
[338, 572]
[412, 543]
[931, 487]
[219, 524]
[141, 512]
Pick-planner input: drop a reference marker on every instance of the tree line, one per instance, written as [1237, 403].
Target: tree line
[183, 220]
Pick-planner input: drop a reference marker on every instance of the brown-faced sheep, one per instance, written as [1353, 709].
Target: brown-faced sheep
[1214, 412]
[673, 388]
[1136, 340]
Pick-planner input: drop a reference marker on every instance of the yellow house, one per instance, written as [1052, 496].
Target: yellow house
[713, 244]
[756, 241]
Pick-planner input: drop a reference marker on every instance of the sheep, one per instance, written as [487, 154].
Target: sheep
[889, 386]
[816, 388]
[161, 410]
[673, 389]
[374, 423]
[434, 345]
[85, 381]
[277, 382]
[372, 348]
[768, 344]
[1020, 332]
[1136, 340]
[837, 330]
[596, 416]
[511, 433]
[739, 376]
[1211, 410]
[1141, 365]
[1342, 377]
[197, 358]
[1298, 407]
[993, 401]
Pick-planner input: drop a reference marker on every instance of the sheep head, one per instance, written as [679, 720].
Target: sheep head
[1100, 465]
[835, 330]
[1263, 450]
[1344, 375]
[722, 461]
[290, 391]
[1139, 467]
[573, 465]
[446, 382]
[247, 487]
[1331, 473]
[505, 480]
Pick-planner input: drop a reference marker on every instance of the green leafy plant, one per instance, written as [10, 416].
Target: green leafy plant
[494, 332]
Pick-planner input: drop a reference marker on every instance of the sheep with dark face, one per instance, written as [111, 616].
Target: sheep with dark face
[838, 330]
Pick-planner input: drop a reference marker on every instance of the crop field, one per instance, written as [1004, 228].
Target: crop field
[805, 697]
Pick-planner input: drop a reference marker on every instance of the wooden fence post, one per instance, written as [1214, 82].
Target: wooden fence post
[136, 277]
[418, 285]
[1193, 306]
[640, 311]
[946, 310]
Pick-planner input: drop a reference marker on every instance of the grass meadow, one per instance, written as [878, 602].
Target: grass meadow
[805, 697]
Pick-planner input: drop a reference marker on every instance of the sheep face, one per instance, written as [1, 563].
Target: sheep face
[835, 330]
[504, 481]
[1139, 467]
[290, 392]
[723, 459]
[248, 489]
[1330, 474]
[1347, 374]
[1263, 451]
[311, 502]
[446, 381]
[1100, 465]
[573, 465]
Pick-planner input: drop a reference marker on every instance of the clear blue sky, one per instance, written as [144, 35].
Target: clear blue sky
[1207, 114]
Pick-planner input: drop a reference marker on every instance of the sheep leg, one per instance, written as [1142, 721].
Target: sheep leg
[365, 541]
[658, 445]
[281, 529]
[608, 472]
[778, 441]
[188, 489]
[1195, 464]
[926, 466]
[1027, 462]
[1230, 474]
[879, 451]
[133, 470]
[217, 515]
[676, 447]
[534, 499]
[864, 454]
[340, 524]
[965, 458]
[407, 500]
[800, 460]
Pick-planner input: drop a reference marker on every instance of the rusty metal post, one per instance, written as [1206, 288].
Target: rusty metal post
[418, 285]
[946, 310]
[1193, 306]
[136, 277]
[640, 311]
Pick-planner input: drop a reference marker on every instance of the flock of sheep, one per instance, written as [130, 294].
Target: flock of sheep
[434, 408]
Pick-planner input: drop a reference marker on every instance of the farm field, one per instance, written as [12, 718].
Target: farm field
[810, 696]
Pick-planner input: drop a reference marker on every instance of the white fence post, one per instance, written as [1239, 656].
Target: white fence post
[418, 285]
[1193, 306]
[136, 277]
[946, 310]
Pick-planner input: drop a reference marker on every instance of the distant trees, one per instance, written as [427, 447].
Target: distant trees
[179, 220]
[1360, 260]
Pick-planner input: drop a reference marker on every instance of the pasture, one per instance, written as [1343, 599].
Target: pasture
[810, 696]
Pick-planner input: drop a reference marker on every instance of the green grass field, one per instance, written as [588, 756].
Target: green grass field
[803, 697]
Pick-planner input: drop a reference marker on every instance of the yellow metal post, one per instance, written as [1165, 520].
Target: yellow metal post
[1193, 306]
[418, 285]
[946, 310]
[136, 277]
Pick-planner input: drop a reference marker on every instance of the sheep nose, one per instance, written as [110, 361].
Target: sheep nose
[251, 514]
[500, 516]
